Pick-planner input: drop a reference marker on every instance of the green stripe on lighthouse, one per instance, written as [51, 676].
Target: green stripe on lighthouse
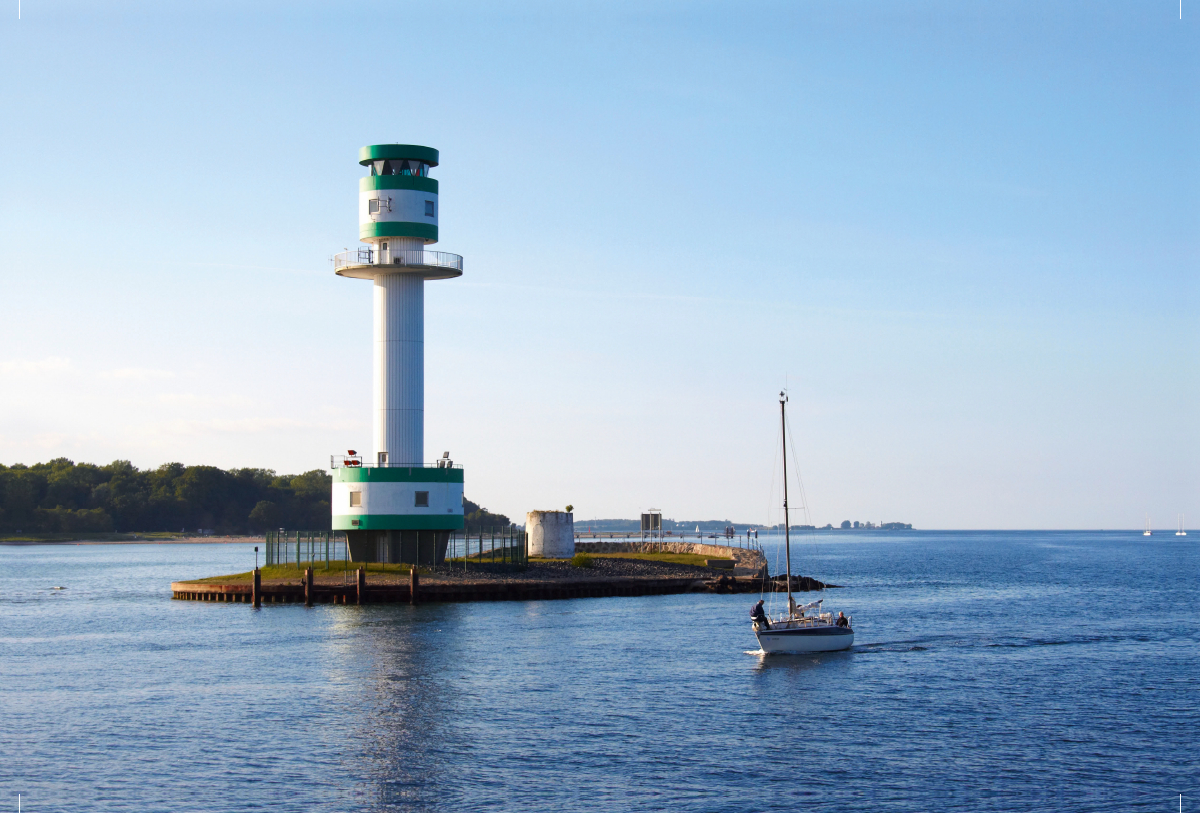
[414, 182]
[398, 152]
[396, 474]
[397, 522]
[398, 228]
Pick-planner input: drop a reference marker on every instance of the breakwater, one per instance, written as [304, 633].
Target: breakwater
[747, 562]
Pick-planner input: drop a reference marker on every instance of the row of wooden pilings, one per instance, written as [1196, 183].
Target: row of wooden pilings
[360, 591]
[310, 593]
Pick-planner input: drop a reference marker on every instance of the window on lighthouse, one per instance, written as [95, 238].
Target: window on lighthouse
[429, 208]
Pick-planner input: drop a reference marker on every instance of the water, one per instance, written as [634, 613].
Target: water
[991, 671]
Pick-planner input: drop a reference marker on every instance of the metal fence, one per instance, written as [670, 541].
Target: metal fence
[504, 545]
[315, 547]
[508, 546]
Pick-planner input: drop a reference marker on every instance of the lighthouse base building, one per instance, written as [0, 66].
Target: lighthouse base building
[393, 505]
[397, 514]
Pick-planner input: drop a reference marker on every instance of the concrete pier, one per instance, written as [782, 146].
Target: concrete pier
[621, 577]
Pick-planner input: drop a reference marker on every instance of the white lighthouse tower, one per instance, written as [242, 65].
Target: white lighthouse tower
[394, 506]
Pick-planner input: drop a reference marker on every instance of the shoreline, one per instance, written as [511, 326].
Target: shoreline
[176, 540]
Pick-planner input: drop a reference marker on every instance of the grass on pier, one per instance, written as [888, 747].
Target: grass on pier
[289, 572]
[292, 571]
[488, 556]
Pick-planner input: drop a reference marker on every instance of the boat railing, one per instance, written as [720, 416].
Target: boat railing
[782, 621]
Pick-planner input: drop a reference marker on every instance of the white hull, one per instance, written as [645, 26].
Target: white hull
[810, 639]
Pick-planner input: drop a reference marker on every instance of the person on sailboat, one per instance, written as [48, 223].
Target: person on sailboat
[759, 615]
[842, 620]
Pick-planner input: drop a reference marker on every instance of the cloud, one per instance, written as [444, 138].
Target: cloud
[136, 374]
[51, 364]
[233, 400]
[242, 426]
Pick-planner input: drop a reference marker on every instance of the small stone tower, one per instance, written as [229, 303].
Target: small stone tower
[551, 534]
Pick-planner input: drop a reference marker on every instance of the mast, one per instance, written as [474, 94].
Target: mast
[787, 526]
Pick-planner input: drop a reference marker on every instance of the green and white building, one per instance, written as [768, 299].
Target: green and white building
[392, 504]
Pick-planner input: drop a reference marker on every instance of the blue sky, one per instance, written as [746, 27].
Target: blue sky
[965, 235]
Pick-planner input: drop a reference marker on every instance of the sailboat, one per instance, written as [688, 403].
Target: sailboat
[1181, 532]
[1147, 531]
[803, 628]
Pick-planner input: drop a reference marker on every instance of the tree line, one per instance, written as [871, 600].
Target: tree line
[62, 496]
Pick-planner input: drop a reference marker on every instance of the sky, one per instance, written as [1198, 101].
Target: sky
[965, 238]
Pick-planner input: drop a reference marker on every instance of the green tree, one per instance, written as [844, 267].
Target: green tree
[264, 516]
[478, 519]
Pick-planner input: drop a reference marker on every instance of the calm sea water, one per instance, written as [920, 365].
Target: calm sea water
[991, 671]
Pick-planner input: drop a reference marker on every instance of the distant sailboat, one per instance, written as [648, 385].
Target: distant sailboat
[1181, 532]
[1147, 531]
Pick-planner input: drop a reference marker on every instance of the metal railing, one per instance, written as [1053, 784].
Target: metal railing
[415, 258]
[464, 549]
[315, 548]
[341, 461]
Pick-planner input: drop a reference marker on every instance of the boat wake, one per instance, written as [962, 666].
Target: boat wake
[941, 642]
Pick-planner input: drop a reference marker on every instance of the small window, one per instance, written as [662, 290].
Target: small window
[355, 499]
[429, 208]
[422, 499]
[373, 206]
[383, 246]
[381, 458]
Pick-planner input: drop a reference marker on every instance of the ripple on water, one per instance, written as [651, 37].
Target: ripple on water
[1030, 680]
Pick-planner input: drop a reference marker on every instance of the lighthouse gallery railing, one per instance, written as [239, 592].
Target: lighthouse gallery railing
[417, 258]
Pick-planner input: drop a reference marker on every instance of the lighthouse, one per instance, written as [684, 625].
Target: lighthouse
[393, 504]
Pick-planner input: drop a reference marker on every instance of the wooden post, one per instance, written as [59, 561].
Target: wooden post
[362, 586]
[308, 587]
[257, 589]
[414, 582]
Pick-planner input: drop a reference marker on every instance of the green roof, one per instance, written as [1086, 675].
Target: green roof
[398, 152]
